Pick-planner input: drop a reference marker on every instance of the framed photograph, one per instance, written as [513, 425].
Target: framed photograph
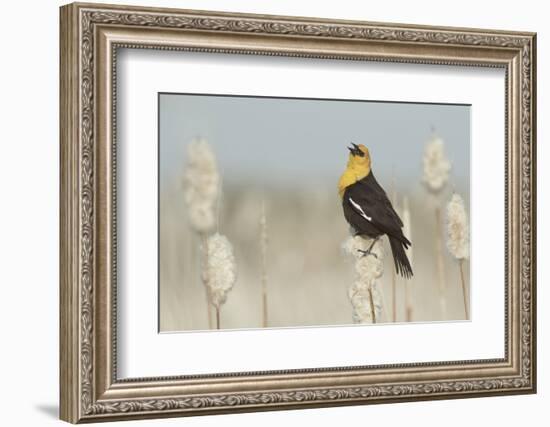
[267, 212]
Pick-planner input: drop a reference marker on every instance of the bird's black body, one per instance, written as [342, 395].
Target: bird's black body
[369, 212]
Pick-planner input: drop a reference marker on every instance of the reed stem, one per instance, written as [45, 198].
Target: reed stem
[264, 309]
[408, 303]
[393, 275]
[440, 263]
[263, 244]
[205, 277]
[371, 301]
[393, 298]
[217, 318]
[407, 230]
[461, 267]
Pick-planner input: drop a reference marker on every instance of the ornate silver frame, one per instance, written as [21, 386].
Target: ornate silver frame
[90, 36]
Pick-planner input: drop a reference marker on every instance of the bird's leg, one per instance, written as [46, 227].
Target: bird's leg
[369, 250]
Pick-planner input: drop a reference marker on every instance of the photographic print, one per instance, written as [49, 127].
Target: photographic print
[284, 188]
[292, 212]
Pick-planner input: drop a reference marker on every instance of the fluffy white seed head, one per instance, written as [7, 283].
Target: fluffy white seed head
[221, 269]
[201, 186]
[458, 234]
[364, 293]
[354, 245]
[360, 298]
[436, 165]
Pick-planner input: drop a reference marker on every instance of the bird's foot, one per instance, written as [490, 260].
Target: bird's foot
[367, 252]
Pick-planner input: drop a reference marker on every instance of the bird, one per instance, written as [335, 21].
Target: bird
[369, 211]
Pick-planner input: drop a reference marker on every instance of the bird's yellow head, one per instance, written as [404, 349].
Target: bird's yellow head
[359, 158]
[358, 167]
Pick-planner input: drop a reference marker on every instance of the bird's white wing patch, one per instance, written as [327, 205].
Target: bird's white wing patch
[359, 209]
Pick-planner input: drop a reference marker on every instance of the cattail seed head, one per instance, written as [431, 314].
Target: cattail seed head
[458, 237]
[360, 298]
[221, 268]
[436, 165]
[201, 186]
[364, 294]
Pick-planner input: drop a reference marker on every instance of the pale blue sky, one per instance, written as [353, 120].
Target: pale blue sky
[284, 141]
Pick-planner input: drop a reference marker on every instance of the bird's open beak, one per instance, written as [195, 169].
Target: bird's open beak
[355, 150]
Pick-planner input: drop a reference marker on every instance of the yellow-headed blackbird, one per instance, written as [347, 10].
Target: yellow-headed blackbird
[368, 210]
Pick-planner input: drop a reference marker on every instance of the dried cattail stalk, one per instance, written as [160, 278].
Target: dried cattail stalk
[364, 294]
[441, 274]
[458, 238]
[408, 283]
[201, 186]
[436, 168]
[205, 276]
[201, 192]
[221, 270]
[393, 274]
[263, 244]
[436, 165]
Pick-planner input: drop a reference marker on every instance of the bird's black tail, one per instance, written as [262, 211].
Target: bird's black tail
[402, 265]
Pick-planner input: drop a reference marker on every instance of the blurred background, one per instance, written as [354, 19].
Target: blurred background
[287, 155]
